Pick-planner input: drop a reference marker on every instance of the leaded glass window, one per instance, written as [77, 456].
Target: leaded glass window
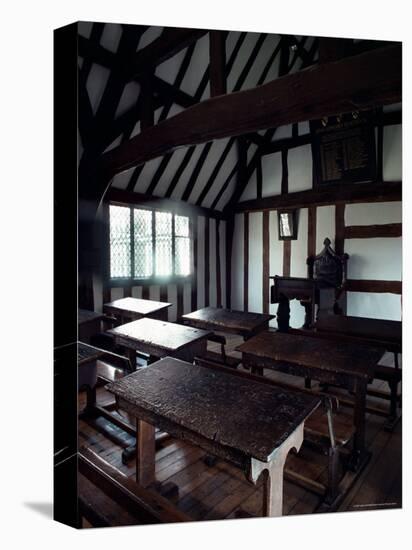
[147, 243]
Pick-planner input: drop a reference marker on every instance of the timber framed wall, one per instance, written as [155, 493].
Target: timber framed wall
[364, 220]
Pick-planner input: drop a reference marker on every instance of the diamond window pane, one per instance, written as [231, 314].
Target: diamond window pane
[163, 256]
[119, 241]
[182, 251]
[143, 243]
[181, 226]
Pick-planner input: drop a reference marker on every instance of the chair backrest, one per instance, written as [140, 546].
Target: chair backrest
[328, 267]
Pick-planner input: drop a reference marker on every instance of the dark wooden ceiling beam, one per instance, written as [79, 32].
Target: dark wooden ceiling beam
[239, 83]
[356, 83]
[217, 63]
[331, 194]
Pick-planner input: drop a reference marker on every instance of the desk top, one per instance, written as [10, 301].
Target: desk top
[86, 316]
[160, 334]
[228, 320]
[332, 356]
[86, 353]
[215, 410]
[136, 306]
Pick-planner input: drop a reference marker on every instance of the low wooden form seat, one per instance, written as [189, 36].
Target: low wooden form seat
[109, 498]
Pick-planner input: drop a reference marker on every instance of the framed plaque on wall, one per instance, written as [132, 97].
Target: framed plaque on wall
[344, 149]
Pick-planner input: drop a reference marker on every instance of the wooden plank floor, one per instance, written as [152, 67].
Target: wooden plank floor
[221, 491]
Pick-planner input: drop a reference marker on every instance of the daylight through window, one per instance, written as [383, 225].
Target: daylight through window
[148, 243]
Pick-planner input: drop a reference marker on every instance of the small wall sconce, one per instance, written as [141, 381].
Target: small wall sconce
[287, 223]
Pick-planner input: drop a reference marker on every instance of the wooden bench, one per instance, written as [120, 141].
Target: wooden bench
[109, 498]
[325, 430]
[221, 358]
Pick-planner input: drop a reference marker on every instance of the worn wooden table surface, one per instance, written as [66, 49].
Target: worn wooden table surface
[346, 364]
[160, 338]
[136, 308]
[249, 423]
[243, 323]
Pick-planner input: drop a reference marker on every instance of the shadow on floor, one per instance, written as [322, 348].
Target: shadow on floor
[45, 509]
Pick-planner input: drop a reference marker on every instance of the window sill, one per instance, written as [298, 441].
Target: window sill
[152, 281]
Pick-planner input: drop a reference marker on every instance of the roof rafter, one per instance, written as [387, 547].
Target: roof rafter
[359, 82]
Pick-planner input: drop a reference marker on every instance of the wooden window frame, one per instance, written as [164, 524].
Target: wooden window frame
[114, 282]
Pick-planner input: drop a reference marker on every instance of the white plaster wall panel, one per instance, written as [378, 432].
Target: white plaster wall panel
[250, 189]
[212, 262]
[222, 234]
[84, 28]
[392, 153]
[325, 226]
[228, 193]
[111, 36]
[172, 298]
[275, 257]
[116, 293]
[260, 62]
[200, 261]
[136, 129]
[374, 213]
[375, 258]
[121, 180]
[184, 178]
[297, 314]
[255, 261]
[97, 292]
[271, 175]
[299, 248]
[224, 172]
[175, 109]
[241, 59]
[375, 305]
[207, 168]
[96, 84]
[303, 128]
[169, 68]
[237, 263]
[300, 168]
[148, 36]
[128, 99]
[283, 132]
[114, 143]
[187, 298]
[273, 72]
[169, 172]
[251, 151]
[154, 292]
[197, 66]
[137, 291]
[146, 175]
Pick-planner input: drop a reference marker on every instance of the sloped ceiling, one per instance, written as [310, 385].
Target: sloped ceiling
[204, 174]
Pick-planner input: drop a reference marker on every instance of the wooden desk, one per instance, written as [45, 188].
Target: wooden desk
[131, 309]
[348, 365]
[244, 323]
[218, 412]
[160, 338]
[89, 323]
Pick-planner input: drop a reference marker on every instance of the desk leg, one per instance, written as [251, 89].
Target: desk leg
[359, 447]
[273, 470]
[131, 354]
[145, 453]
